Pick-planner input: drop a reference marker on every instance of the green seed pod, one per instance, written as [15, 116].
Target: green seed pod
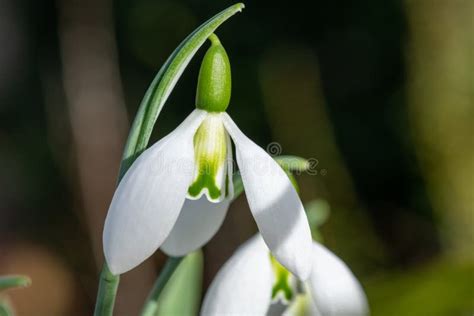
[214, 82]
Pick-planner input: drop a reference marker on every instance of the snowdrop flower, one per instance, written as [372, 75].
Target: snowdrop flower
[252, 283]
[176, 194]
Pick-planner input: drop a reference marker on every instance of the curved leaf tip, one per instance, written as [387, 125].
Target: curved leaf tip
[293, 163]
[240, 6]
[12, 281]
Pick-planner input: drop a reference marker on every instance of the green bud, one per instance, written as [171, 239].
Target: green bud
[214, 82]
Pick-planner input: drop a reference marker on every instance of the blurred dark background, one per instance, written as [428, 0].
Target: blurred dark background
[379, 92]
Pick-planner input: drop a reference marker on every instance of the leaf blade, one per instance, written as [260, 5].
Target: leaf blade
[181, 296]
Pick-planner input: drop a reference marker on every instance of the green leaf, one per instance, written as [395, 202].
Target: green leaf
[182, 294]
[5, 308]
[164, 82]
[12, 281]
[293, 163]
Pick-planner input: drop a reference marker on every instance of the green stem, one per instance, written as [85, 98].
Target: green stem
[108, 286]
[151, 304]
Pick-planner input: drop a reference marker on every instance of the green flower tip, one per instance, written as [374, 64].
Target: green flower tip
[214, 82]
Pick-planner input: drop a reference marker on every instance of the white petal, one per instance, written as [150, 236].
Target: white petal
[197, 223]
[149, 198]
[273, 200]
[335, 290]
[244, 284]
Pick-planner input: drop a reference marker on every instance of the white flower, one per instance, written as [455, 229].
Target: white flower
[176, 195]
[245, 283]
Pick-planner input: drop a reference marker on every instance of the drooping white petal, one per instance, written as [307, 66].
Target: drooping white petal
[149, 198]
[335, 290]
[197, 223]
[275, 205]
[243, 286]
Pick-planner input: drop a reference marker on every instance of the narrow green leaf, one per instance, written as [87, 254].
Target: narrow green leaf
[182, 294]
[12, 281]
[164, 82]
[151, 305]
[5, 308]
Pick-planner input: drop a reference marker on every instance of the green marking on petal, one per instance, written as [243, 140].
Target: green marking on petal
[282, 285]
[205, 181]
[210, 152]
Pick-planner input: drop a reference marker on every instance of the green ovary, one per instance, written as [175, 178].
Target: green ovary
[282, 281]
[210, 152]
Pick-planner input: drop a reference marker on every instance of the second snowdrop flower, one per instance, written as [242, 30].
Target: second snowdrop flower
[252, 283]
[176, 194]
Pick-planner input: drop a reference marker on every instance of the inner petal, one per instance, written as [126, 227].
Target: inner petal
[210, 152]
[284, 286]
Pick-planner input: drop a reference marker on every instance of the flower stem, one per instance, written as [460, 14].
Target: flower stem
[108, 286]
[151, 303]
